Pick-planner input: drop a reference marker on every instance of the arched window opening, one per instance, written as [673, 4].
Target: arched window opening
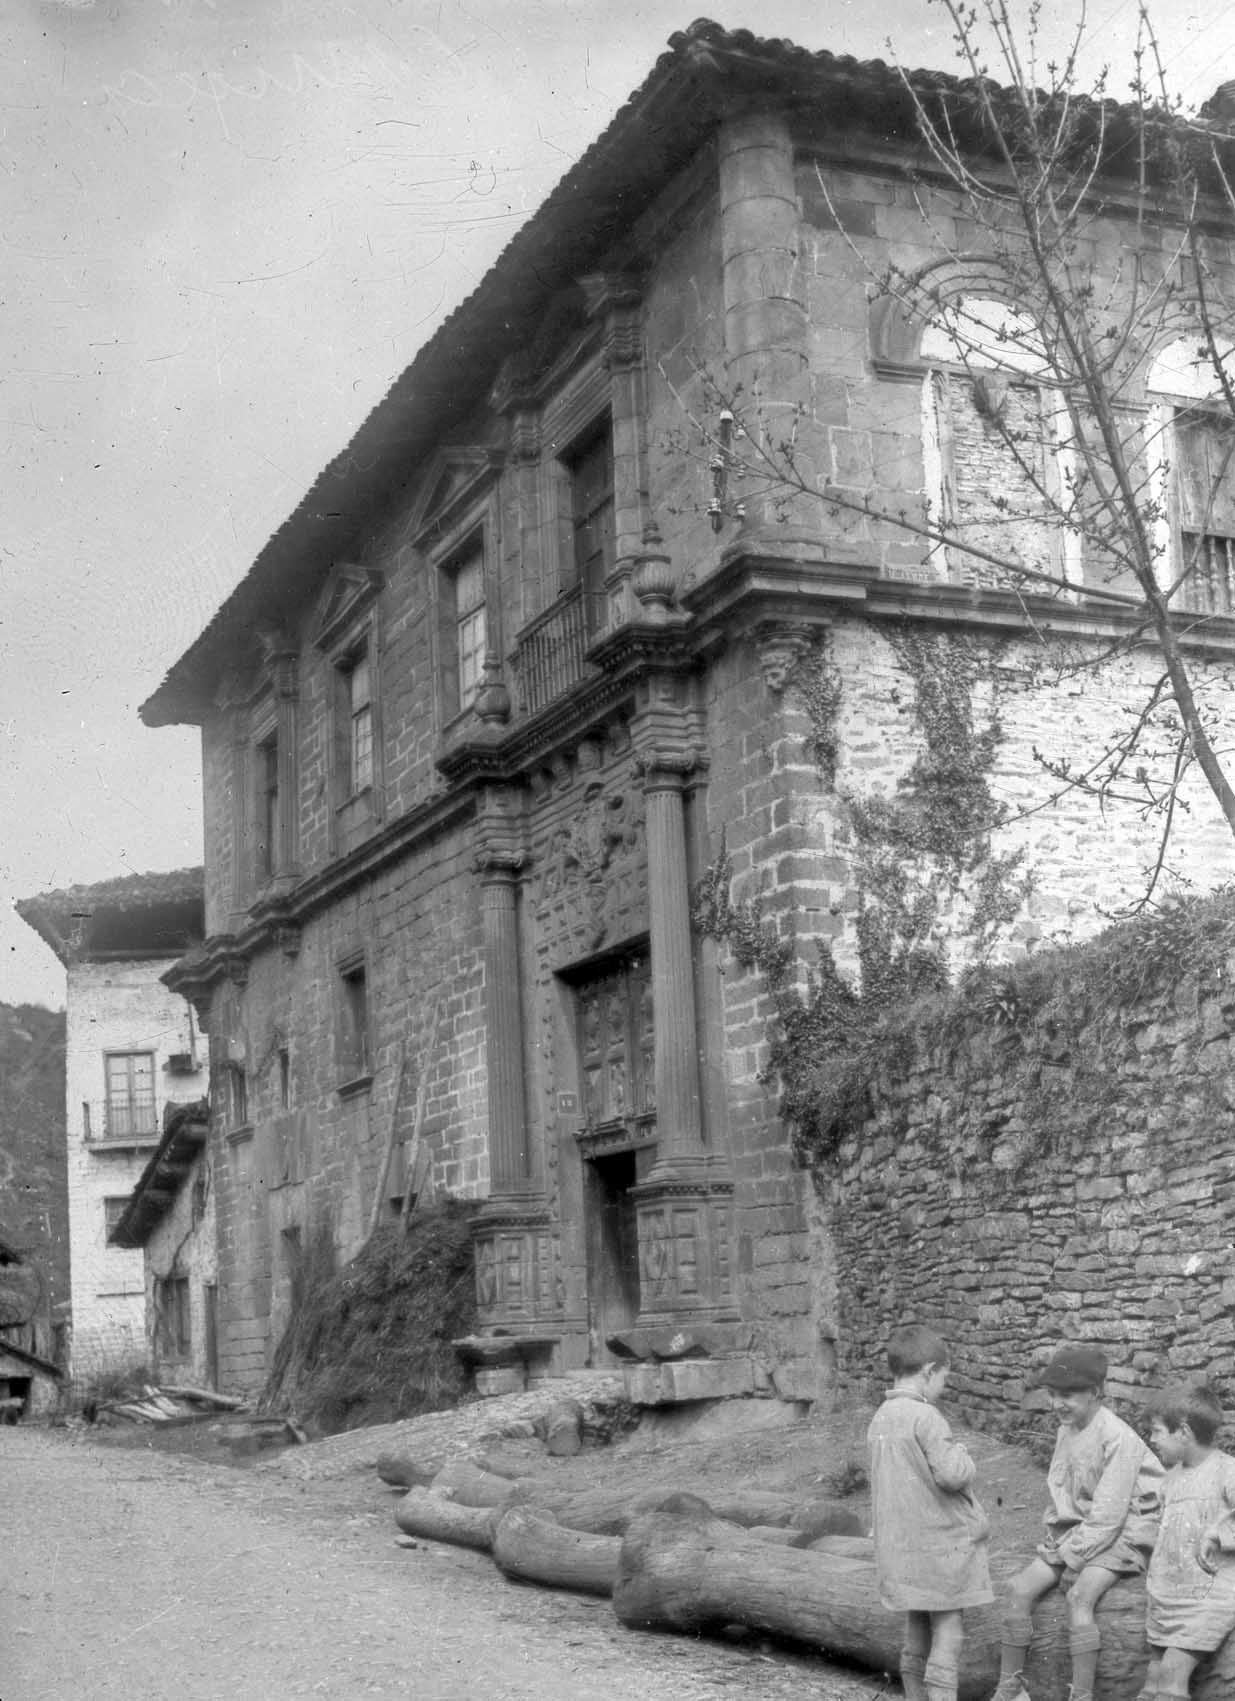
[1191, 446]
[998, 468]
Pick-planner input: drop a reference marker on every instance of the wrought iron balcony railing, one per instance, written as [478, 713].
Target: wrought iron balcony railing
[131, 1121]
[549, 652]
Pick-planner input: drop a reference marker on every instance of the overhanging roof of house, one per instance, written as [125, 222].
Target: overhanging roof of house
[184, 1134]
[707, 73]
[139, 915]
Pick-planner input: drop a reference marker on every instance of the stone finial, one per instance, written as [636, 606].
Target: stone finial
[491, 703]
[654, 581]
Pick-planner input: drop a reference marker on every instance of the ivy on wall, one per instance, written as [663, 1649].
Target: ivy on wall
[930, 891]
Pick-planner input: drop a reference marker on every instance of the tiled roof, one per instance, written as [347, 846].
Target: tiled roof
[706, 72]
[185, 1131]
[63, 917]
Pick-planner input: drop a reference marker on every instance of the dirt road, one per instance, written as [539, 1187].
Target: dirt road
[155, 1577]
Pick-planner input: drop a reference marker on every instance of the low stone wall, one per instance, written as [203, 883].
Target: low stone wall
[1019, 1184]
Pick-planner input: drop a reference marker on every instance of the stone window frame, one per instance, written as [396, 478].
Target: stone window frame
[465, 526]
[234, 1091]
[353, 1024]
[266, 801]
[898, 336]
[1180, 384]
[574, 414]
[347, 627]
[456, 694]
[355, 810]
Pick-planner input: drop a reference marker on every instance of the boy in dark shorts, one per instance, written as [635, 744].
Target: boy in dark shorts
[1106, 1493]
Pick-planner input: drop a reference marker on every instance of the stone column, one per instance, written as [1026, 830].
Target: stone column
[510, 1167]
[684, 1207]
[514, 1240]
[678, 1120]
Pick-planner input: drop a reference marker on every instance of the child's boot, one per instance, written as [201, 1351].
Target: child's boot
[1083, 1644]
[940, 1681]
[913, 1675]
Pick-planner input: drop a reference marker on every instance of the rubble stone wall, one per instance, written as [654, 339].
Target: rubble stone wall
[1022, 1187]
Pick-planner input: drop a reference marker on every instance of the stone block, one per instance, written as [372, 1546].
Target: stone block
[688, 1379]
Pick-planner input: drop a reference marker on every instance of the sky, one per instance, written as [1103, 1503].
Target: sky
[225, 227]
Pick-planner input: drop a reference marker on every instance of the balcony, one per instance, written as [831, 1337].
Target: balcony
[1211, 588]
[549, 652]
[121, 1123]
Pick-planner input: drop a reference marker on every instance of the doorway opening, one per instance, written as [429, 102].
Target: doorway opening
[612, 1248]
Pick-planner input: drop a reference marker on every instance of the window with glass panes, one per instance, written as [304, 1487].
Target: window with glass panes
[592, 509]
[130, 1093]
[360, 723]
[470, 626]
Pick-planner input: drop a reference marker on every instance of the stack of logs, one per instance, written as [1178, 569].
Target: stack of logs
[789, 1567]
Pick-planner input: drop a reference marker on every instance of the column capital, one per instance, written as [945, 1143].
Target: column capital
[499, 864]
[666, 767]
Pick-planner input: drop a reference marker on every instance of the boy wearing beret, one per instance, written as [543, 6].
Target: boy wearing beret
[1105, 1486]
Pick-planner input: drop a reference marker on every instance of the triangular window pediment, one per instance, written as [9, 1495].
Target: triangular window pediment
[453, 478]
[349, 591]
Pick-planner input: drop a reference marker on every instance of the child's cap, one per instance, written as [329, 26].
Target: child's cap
[1074, 1367]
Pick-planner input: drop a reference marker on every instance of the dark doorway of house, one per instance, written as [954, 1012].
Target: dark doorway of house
[612, 1249]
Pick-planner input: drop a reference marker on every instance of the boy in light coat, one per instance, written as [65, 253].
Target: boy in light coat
[930, 1532]
[1106, 1493]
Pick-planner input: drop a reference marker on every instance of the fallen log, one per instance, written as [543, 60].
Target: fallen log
[608, 1512]
[530, 1546]
[513, 1466]
[401, 1471]
[680, 1569]
[563, 1429]
[437, 1519]
[468, 1485]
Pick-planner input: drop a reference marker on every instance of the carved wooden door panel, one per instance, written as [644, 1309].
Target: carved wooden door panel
[617, 1046]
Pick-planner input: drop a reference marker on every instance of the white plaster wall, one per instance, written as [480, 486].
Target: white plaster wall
[1088, 862]
[114, 1006]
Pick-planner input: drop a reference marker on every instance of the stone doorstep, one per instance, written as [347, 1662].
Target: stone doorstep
[676, 1380]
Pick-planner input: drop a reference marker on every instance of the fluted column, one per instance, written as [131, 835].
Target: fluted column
[678, 1117]
[510, 1159]
[515, 1243]
[684, 1206]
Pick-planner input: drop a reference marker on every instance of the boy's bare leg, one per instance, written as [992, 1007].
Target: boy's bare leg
[1084, 1639]
[1176, 1674]
[942, 1669]
[915, 1651]
[1153, 1676]
[1024, 1592]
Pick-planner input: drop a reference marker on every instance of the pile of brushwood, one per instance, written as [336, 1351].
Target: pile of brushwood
[371, 1342]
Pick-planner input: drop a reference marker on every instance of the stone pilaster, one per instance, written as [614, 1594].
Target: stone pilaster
[615, 301]
[766, 319]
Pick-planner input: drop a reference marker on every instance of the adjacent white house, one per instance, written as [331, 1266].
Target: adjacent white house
[132, 1050]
